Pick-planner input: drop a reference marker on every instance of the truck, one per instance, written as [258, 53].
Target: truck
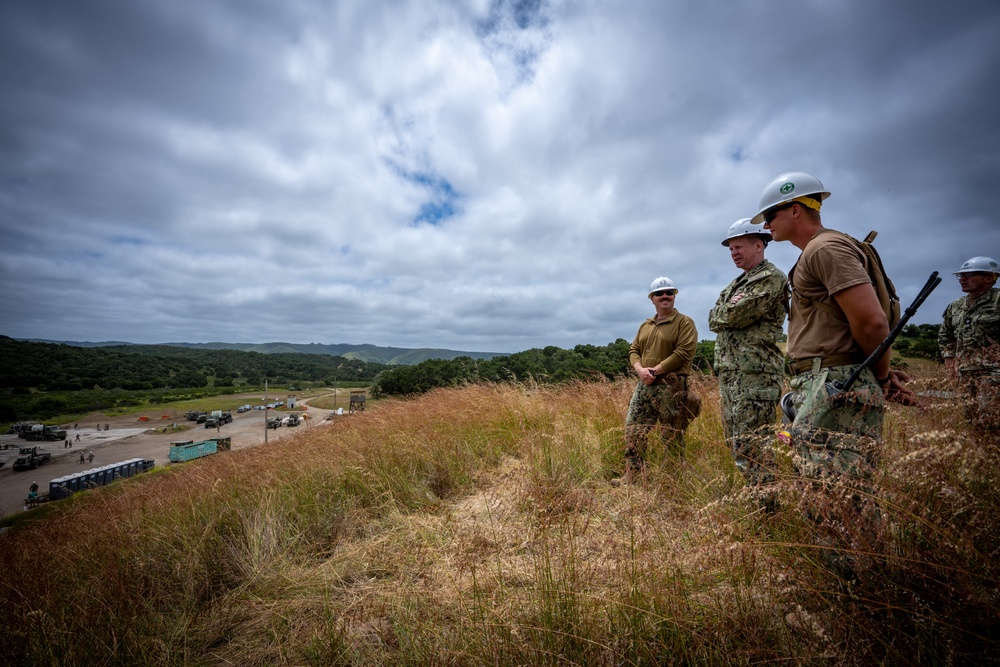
[29, 458]
[41, 432]
[187, 450]
[274, 422]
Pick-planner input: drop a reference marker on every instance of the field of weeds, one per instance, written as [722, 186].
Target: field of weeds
[477, 526]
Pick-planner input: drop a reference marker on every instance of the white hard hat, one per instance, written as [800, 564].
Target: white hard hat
[789, 186]
[978, 264]
[661, 283]
[746, 227]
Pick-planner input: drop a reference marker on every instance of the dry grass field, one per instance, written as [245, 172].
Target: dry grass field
[476, 526]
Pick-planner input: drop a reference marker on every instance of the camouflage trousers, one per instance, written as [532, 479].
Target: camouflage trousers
[982, 407]
[663, 404]
[835, 435]
[749, 414]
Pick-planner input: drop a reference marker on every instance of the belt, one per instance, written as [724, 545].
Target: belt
[805, 365]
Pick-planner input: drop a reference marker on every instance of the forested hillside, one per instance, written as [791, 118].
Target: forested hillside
[54, 366]
[365, 352]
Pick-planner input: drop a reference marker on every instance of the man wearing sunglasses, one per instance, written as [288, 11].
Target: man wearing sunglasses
[748, 318]
[661, 356]
[969, 340]
[835, 321]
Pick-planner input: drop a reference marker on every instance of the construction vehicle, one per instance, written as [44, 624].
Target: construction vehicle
[274, 422]
[29, 458]
[293, 420]
[41, 432]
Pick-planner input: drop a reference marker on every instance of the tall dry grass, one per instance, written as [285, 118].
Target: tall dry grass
[477, 526]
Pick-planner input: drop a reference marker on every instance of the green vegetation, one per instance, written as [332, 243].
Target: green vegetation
[545, 365]
[476, 525]
[52, 366]
[918, 340]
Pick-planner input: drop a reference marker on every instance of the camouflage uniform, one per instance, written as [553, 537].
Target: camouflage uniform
[971, 336]
[664, 403]
[747, 319]
[836, 435]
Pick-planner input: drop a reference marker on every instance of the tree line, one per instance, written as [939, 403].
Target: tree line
[543, 365]
[58, 367]
[102, 377]
[583, 362]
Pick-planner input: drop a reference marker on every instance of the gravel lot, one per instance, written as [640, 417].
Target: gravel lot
[128, 438]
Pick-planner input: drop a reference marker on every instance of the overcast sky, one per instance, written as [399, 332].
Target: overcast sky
[474, 175]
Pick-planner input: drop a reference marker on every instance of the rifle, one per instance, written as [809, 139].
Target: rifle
[842, 386]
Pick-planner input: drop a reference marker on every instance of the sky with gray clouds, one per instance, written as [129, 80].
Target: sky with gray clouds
[479, 175]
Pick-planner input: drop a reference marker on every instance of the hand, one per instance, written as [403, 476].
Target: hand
[896, 392]
[646, 375]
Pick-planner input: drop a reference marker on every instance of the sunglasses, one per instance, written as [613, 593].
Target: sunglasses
[665, 292]
[770, 215]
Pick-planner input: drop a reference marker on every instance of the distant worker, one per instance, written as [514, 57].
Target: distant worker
[661, 356]
[90, 457]
[33, 490]
[82, 459]
[748, 319]
[969, 340]
[77, 437]
[835, 322]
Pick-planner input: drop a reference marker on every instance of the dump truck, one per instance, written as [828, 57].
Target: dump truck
[42, 432]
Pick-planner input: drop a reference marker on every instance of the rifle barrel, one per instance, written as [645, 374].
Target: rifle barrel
[933, 281]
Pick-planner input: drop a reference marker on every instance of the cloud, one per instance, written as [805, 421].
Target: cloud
[473, 175]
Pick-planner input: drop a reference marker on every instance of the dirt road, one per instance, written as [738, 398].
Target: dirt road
[128, 438]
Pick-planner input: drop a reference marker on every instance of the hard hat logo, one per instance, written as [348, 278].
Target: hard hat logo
[787, 188]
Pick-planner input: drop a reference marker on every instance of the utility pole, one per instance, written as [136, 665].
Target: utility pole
[265, 412]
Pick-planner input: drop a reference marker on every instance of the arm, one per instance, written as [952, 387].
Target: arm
[758, 300]
[869, 328]
[635, 358]
[946, 341]
[684, 351]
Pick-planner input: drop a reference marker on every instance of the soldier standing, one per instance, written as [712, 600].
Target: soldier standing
[748, 319]
[835, 322]
[661, 356]
[969, 340]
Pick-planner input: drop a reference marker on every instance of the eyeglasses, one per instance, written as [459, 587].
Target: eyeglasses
[973, 274]
[769, 215]
[665, 292]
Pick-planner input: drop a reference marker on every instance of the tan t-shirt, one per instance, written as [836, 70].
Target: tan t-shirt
[830, 263]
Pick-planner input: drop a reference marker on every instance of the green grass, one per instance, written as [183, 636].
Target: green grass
[477, 526]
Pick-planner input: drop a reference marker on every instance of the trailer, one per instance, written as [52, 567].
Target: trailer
[90, 479]
[187, 450]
